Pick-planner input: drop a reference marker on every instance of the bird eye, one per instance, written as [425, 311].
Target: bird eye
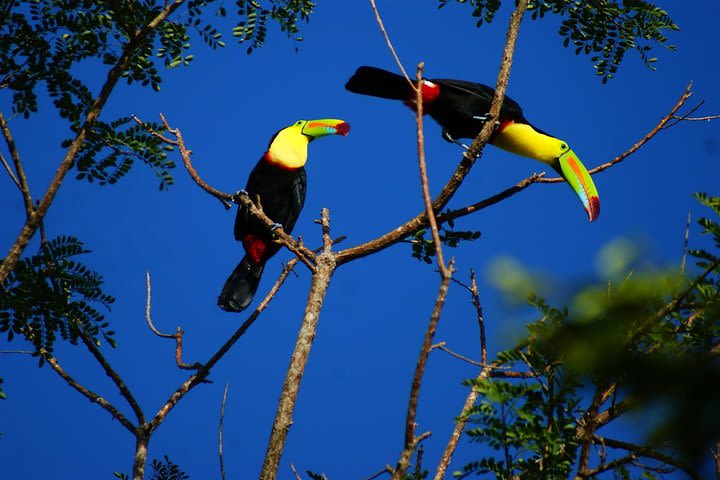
[299, 122]
[563, 146]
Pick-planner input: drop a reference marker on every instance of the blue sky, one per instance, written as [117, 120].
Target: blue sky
[349, 418]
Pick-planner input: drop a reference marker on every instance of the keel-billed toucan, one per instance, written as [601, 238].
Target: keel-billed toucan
[461, 108]
[279, 181]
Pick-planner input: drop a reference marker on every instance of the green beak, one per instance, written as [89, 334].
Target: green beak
[325, 126]
[577, 176]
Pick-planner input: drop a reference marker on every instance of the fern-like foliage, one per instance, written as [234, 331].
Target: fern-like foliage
[603, 29]
[51, 294]
[110, 149]
[255, 13]
[423, 246]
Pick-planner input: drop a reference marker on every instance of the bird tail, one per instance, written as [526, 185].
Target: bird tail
[241, 285]
[377, 82]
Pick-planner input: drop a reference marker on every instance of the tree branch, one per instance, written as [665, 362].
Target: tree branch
[90, 395]
[325, 266]
[20, 180]
[220, 432]
[33, 221]
[112, 374]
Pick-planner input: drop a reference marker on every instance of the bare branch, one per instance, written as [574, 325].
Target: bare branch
[589, 423]
[424, 182]
[297, 475]
[411, 440]
[387, 469]
[112, 374]
[683, 98]
[609, 466]
[90, 395]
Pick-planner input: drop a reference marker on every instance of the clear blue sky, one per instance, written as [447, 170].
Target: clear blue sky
[350, 414]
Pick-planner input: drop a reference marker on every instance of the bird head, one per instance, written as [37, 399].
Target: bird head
[288, 148]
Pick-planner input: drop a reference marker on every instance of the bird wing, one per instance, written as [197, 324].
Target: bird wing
[510, 107]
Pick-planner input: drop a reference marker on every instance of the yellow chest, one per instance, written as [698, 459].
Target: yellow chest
[288, 150]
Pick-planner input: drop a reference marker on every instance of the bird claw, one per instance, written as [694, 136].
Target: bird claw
[448, 137]
[275, 226]
[484, 118]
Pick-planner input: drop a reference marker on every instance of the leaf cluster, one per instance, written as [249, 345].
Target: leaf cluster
[424, 248]
[603, 29]
[51, 294]
[286, 13]
[110, 149]
[161, 470]
[532, 425]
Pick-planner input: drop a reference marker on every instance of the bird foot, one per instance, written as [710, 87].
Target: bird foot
[275, 226]
[237, 195]
[448, 137]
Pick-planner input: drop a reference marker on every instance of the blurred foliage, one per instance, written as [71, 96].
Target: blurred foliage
[2, 394]
[650, 339]
[50, 293]
[603, 29]
[424, 248]
[44, 42]
[532, 424]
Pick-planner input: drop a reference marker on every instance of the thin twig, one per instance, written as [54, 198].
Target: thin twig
[147, 312]
[685, 245]
[424, 182]
[389, 43]
[609, 466]
[21, 179]
[411, 440]
[589, 425]
[387, 469]
[220, 432]
[683, 98]
[10, 172]
[295, 472]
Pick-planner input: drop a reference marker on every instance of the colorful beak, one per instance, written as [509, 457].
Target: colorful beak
[325, 126]
[577, 176]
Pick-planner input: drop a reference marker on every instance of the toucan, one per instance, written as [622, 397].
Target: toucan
[279, 181]
[462, 108]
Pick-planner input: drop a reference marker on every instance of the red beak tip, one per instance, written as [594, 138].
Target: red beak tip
[593, 209]
[342, 129]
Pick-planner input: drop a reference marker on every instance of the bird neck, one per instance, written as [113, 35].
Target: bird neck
[522, 139]
[288, 150]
